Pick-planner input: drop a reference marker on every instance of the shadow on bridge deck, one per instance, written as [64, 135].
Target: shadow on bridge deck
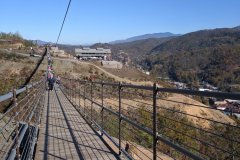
[64, 134]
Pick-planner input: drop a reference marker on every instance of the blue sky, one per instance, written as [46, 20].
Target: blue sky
[91, 21]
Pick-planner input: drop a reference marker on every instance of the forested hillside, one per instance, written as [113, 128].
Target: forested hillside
[209, 55]
[136, 50]
[9, 39]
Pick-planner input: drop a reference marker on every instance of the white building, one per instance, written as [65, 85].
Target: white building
[92, 53]
[112, 64]
[147, 73]
[55, 51]
[204, 89]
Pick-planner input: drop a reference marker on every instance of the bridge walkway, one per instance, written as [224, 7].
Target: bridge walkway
[64, 134]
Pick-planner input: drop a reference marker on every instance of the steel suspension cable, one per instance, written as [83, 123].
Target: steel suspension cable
[63, 22]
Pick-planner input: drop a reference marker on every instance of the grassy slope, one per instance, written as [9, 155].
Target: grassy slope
[14, 69]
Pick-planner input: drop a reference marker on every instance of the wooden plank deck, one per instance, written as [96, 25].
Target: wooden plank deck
[64, 134]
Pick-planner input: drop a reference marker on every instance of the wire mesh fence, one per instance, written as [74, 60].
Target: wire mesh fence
[147, 122]
[19, 122]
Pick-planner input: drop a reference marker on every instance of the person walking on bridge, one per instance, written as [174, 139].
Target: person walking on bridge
[50, 82]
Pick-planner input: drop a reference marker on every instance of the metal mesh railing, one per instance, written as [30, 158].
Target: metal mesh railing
[19, 124]
[147, 122]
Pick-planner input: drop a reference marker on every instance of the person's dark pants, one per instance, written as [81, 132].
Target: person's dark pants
[50, 86]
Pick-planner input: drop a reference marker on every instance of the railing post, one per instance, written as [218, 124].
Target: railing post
[70, 91]
[79, 95]
[76, 89]
[75, 92]
[66, 90]
[102, 110]
[91, 99]
[154, 121]
[34, 92]
[17, 122]
[84, 99]
[27, 91]
[119, 115]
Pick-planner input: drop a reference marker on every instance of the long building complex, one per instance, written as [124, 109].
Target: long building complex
[92, 53]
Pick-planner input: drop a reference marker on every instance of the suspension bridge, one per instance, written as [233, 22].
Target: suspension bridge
[81, 119]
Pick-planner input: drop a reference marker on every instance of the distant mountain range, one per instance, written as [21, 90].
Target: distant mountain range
[238, 27]
[42, 43]
[131, 39]
[146, 36]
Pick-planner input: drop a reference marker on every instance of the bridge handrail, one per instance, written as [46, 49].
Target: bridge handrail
[18, 91]
[153, 93]
[146, 130]
[226, 95]
[25, 124]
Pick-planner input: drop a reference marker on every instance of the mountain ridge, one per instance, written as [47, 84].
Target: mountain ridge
[145, 36]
